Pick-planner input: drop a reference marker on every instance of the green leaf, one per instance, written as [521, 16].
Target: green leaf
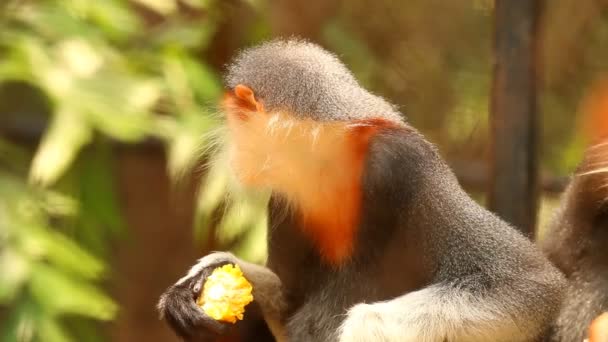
[14, 67]
[79, 56]
[21, 323]
[183, 153]
[177, 82]
[58, 204]
[16, 270]
[52, 19]
[178, 34]
[212, 193]
[204, 82]
[15, 157]
[246, 209]
[69, 257]
[117, 105]
[50, 330]
[253, 246]
[164, 7]
[97, 191]
[61, 294]
[238, 218]
[191, 133]
[116, 18]
[65, 137]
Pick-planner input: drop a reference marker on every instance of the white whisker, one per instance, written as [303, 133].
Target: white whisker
[272, 124]
[289, 124]
[315, 133]
[596, 146]
[265, 165]
[595, 172]
[596, 164]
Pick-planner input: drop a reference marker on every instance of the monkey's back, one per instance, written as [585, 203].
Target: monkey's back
[586, 298]
[585, 263]
[577, 243]
[417, 228]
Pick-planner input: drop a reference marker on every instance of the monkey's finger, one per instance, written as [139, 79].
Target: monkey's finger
[185, 317]
[206, 267]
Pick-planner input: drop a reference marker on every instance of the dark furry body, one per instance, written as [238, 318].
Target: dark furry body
[577, 243]
[418, 228]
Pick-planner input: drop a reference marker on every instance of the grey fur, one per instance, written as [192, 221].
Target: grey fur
[577, 242]
[429, 264]
[305, 79]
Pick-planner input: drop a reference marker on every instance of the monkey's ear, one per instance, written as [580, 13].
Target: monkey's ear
[247, 98]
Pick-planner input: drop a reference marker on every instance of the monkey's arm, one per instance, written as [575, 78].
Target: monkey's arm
[461, 311]
[487, 282]
[268, 292]
[178, 304]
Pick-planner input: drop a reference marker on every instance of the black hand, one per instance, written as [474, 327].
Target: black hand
[178, 304]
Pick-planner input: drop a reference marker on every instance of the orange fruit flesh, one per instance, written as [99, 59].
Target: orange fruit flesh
[225, 294]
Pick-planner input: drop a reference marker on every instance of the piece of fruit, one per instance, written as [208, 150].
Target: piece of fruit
[598, 332]
[225, 294]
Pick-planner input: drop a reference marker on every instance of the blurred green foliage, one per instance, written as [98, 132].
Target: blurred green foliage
[46, 275]
[109, 73]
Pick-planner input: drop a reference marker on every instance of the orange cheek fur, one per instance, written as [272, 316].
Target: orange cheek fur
[318, 167]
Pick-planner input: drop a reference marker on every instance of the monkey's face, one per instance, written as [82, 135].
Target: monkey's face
[280, 151]
[315, 165]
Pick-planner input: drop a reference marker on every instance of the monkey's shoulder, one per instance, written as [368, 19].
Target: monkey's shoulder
[400, 163]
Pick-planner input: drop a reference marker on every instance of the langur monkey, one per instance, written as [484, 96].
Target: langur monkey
[370, 237]
[577, 239]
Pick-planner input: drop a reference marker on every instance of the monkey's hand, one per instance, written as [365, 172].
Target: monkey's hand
[178, 304]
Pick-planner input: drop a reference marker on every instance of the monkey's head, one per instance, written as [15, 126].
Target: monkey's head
[299, 124]
[305, 80]
[290, 101]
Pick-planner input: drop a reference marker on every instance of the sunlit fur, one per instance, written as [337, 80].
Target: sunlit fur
[316, 166]
[576, 239]
[594, 171]
[306, 80]
[434, 314]
[594, 168]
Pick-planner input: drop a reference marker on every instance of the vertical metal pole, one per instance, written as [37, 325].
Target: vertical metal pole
[514, 191]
